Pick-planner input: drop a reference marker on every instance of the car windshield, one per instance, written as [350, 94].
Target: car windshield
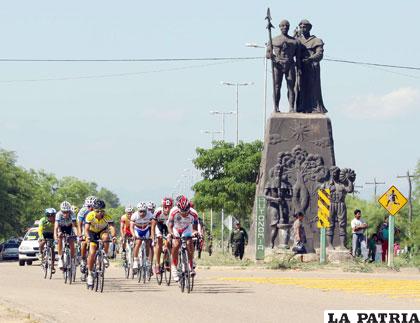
[11, 245]
[33, 235]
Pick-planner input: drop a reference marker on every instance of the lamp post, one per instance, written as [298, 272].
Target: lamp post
[237, 85]
[212, 133]
[223, 114]
[253, 45]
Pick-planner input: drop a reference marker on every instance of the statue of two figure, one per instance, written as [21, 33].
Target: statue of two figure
[297, 59]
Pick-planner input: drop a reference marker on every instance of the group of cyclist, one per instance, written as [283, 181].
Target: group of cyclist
[158, 228]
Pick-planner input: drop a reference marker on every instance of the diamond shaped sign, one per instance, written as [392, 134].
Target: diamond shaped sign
[392, 200]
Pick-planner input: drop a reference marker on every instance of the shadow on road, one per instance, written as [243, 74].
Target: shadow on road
[122, 285]
[200, 288]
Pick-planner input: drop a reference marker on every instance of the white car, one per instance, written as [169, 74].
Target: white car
[29, 248]
[9, 250]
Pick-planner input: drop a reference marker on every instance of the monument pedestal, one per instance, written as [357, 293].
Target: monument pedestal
[299, 150]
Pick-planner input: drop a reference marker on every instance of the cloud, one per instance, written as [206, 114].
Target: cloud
[393, 104]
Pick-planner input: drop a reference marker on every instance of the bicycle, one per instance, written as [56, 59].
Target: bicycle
[164, 265]
[144, 267]
[184, 271]
[98, 270]
[83, 267]
[68, 261]
[199, 246]
[129, 258]
[47, 258]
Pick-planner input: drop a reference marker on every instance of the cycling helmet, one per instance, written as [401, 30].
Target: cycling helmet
[167, 201]
[50, 211]
[128, 209]
[183, 204]
[65, 206]
[99, 204]
[74, 209]
[151, 205]
[142, 206]
[89, 201]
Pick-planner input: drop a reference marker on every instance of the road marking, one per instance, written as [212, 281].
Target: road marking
[395, 288]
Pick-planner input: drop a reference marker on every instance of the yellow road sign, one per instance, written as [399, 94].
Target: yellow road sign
[392, 200]
[323, 208]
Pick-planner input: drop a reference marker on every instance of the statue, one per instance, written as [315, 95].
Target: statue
[311, 53]
[341, 182]
[283, 50]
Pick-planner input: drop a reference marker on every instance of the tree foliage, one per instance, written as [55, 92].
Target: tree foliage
[229, 174]
[25, 194]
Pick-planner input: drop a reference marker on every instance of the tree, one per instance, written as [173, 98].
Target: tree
[110, 198]
[229, 175]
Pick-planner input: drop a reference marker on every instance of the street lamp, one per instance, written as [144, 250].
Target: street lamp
[237, 85]
[223, 114]
[212, 133]
[253, 45]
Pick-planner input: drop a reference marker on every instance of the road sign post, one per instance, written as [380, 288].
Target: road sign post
[393, 201]
[323, 222]
[260, 229]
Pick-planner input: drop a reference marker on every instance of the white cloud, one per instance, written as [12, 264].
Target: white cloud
[393, 104]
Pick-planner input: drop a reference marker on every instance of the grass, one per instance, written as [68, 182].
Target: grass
[220, 259]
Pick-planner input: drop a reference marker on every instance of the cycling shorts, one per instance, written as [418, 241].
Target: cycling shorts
[142, 233]
[186, 232]
[128, 234]
[66, 229]
[48, 236]
[161, 229]
[95, 236]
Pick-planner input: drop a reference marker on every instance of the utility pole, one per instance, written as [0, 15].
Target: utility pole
[375, 183]
[410, 204]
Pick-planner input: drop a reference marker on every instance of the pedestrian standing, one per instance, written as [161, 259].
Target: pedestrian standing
[238, 240]
[378, 255]
[358, 226]
[372, 247]
[383, 235]
[299, 235]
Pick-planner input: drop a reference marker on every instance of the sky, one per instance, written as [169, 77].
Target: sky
[133, 127]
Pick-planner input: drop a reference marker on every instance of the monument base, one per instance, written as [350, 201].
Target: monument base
[337, 256]
[299, 148]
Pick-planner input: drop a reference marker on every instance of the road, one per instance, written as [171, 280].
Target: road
[222, 294]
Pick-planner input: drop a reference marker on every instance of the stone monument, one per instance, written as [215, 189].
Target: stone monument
[298, 156]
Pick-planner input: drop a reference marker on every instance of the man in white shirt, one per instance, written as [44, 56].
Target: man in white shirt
[358, 227]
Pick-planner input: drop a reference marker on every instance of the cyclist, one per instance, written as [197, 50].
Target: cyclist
[96, 228]
[161, 229]
[81, 216]
[151, 207]
[46, 231]
[125, 229]
[65, 223]
[141, 225]
[182, 222]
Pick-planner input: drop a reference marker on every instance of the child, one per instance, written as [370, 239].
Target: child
[378, 253]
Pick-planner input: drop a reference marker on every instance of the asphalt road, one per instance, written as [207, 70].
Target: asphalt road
[221, 295]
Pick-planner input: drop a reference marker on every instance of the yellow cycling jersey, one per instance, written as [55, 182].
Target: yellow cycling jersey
[98, 225]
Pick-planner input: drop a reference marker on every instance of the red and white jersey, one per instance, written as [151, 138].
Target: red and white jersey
[160, 216]
[182, 222]
[142, 222]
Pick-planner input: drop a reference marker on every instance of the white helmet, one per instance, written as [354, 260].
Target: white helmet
[142, 206]
[65, 206]
[151, 205]
[129, 209]
[89, 201]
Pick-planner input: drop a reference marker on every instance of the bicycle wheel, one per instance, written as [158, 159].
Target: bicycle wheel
[70, 268]
[139, 273]
[192, 281]
[126, 269]
[50, 262]
[167, 266]
[159, 274]
[101, 277]
[188, 281]
[65, 272]
[44, 263]
[98, 270]
[74, 270]
[182, 282]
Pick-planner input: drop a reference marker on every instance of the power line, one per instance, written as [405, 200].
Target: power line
[127, 60]
[372, 64]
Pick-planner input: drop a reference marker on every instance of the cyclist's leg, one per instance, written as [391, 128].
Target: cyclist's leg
[105, 237]
[190, 245]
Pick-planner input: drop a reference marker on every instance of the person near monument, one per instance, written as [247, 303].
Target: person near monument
[383, 233]
[299, 235]
[358, 226]
[238, 240]
[285, 54]
[340, 184]
[311, 53]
